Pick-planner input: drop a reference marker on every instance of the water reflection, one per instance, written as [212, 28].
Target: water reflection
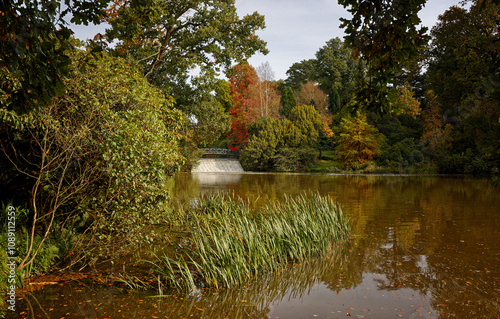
[421, 247]
[217, 180]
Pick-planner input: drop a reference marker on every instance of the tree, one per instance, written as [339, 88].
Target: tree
[405, 102]
[242, 83]
[273, 144]
[358, 142]
[334, 101]
[336, 69]
[300, 73]
[287, 101]
[308, 120]
[172, 37]
[259, 153]
[463, 52]
[223, 94]
[267, 91]
[385, 34]
[311, 94]
[35, 46]
[437, 134]
[211, 122]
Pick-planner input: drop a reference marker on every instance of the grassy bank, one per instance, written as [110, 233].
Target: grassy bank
[229, 243]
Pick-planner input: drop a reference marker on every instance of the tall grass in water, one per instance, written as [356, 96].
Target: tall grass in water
[231, 243]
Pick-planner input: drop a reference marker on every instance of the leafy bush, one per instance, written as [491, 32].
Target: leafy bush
[104, 150]
[402, 154]
[295, 159]
[464, 163]
[268, 136]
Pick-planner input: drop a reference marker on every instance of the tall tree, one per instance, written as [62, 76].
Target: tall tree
[267, 90]
[171, 37]
[336, 69]
[385, 34]
[242, 83]
[437, 134]
[300, 73]
[223, 94]
[334, 101]
[287, 101]
[464, 51]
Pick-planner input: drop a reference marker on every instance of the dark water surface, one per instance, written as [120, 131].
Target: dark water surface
[421, 247]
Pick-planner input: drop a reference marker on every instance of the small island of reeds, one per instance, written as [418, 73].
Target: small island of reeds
[229, 243]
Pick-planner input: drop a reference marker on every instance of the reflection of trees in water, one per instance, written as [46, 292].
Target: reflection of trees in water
[445, 243]
[434, 235]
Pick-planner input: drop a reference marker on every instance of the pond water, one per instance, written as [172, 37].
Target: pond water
[421, 247]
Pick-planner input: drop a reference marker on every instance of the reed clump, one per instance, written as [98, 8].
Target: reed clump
[231, 243]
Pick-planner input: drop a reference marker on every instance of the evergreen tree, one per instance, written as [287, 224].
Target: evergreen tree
[308, 120]
[334, 101]
[287, 101]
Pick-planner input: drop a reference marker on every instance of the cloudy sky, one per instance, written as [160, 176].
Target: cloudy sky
[296, 29]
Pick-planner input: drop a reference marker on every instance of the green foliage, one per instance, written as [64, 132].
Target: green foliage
[464, 163]
[358, 142]
[223, 94]
[299, 159]
[212, 121]
[259, 153]
[98, 156]
[171, 37]
[334, 101]
[308, 120]
[336, 70]
[396, 128]
[300, 73]
[463, 52]
[287, 101]
[332, 69]
[402, 154]
[462, 71]
[135, 135]
[35, 44]
[267, 139]
[385, 34]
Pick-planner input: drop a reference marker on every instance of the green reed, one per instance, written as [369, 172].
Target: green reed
[231, 243]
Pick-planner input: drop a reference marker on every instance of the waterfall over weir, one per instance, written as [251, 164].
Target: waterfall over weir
[215, 165]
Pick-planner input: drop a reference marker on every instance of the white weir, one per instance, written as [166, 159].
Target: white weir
[215, 165]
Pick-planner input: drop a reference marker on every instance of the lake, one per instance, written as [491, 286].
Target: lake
[420, 247]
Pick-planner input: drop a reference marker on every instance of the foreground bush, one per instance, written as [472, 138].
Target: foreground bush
[230, 243]
[93, 162]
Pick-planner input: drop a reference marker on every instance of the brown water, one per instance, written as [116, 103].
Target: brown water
[421, 247]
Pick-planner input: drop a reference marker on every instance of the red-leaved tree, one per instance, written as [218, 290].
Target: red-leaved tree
[244, 111]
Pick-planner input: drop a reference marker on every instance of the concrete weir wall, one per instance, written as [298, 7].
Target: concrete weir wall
[213, 165]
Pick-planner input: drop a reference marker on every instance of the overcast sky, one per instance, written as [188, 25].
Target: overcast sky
[296, 29]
